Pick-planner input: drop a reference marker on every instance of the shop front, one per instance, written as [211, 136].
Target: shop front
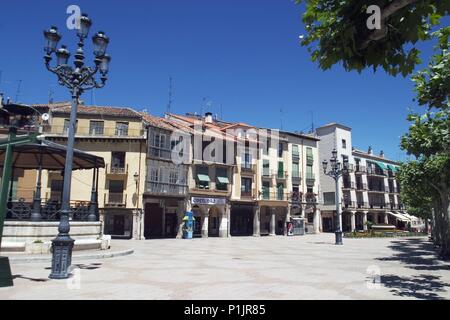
[211, 216]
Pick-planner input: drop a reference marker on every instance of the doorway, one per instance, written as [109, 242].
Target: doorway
[153, 221]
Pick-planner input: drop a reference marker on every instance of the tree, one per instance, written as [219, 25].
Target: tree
[337, 31]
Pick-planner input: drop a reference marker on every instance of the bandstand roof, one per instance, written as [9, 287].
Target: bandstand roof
[27, 156]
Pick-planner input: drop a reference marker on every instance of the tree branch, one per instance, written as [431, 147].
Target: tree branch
[386, 12]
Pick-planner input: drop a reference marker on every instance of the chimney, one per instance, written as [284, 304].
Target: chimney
[382, 154]
[370, 151]
[208, 117]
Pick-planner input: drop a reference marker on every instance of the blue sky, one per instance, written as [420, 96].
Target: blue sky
[242, 56]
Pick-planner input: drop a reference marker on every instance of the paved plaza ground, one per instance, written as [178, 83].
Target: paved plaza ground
[308, 267]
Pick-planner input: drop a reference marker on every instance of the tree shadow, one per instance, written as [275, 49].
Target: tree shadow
[19, 276]
[420, 287]
[416, 254]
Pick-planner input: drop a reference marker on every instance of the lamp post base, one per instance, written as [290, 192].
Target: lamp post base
[61, 257]
[6, 279]
[338, 238]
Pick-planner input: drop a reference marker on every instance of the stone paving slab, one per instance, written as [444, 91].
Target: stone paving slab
[309, 267]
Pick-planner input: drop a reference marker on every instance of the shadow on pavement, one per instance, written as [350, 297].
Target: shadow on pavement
[19, 276]
[417, 254]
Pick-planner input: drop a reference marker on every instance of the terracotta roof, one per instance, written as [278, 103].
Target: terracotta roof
[64, 107]
[164, 123]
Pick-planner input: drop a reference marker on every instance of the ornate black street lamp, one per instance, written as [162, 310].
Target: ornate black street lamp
[336, 172]
[77, 79]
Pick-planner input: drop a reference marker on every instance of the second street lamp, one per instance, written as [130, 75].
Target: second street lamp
[77, 79]
[336, 171]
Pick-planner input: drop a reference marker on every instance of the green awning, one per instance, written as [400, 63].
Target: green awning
[392, 168]
[381, 165]
[203, 177]
[223, 180]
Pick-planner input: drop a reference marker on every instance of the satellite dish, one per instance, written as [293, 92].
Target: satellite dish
[45, 116]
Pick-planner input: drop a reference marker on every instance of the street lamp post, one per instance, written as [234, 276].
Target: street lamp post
[77, 79]
[336, 171]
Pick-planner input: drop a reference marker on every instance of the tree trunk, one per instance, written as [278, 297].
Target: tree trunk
[445, 214]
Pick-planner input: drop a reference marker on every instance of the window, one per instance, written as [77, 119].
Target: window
[116, 188]
[154, 175]
[309, 172]
[56, 190]
[118, 162]
[15, 185]
[295, 152]
[280, 149]
[66, 126]
[202, 178]
[121, 129]
[280, 169]
[96, 127]
[280, 191]
[295, 170]
[173, 177]
[266, 190]
[222, 179]
[266, 168]
[344, 144]
[246, 161]
[329, 198]
[246, 187]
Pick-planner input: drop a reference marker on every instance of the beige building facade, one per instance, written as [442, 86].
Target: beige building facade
[118, 136]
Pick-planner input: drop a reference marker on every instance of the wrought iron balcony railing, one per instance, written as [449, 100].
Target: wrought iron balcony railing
[113, 199]
[166, 188]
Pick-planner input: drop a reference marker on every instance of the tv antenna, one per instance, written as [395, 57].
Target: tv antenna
[281, 119]
[19, 85]
[169, 104]
[312, 121]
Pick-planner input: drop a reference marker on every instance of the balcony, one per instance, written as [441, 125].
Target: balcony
[377, 205]
[169, 189]
[310, 178]
[311, 198]
[296, 197]
[115, 200]
[362, 205]
[359, 169]
[160, 153]
[295, 157]
[393, 190]
[376, 172]
[273, 196]
[281, 175]
[248, 168]
[110, 132]
[348, 185]
[361, 186]
[349, 204]
[249, 195]
[116, 170]
[309, 159]
[376, 189]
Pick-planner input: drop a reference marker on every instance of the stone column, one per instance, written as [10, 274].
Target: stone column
[256, 221]
[287, 218]
[317, 218]
[272, 221]
[228, 214]
[223, 225]
[163, 233]
[365, 220]
[353, 221]
[205, 224]
[180, 216]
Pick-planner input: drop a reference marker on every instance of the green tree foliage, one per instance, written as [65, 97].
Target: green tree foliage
[426, 181]
[337, 32]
